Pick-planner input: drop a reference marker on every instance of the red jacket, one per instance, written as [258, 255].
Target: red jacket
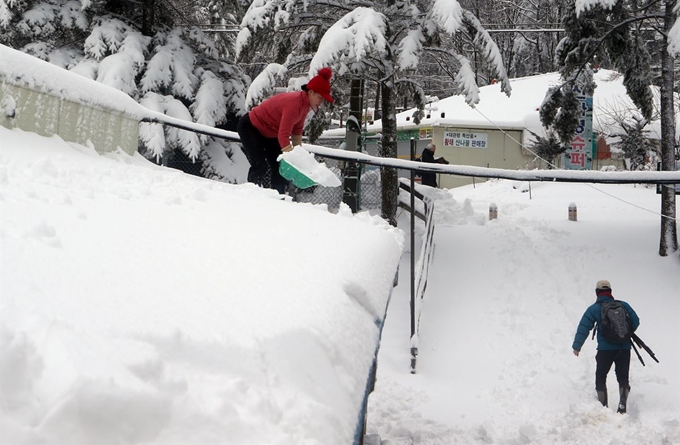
[281, 116]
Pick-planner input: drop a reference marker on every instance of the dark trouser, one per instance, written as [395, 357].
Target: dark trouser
[428, 178]
[605, 359]
[261, 153]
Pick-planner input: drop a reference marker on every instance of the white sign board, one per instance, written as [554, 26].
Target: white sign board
[465, 139]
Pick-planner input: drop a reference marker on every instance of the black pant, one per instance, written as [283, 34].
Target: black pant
[605, 359]
[261, 153]
[428, 178]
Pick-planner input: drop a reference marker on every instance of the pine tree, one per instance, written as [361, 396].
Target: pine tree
[635, 142]
[548, 147]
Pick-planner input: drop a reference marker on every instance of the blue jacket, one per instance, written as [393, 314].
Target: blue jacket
[593, 315]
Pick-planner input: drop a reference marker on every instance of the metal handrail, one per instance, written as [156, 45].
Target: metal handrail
[420, 268]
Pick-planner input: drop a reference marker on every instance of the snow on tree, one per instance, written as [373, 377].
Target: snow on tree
[40, 27]
[547, 147]
[106, 37]
[210, 103]
[351, 40]
[381, 42]
[263, 85]
[120, 68]
[584, 5]
[635, 143]
[621, 35]
[139, 51]
[152, 135]
[586, 39]
[5, 12]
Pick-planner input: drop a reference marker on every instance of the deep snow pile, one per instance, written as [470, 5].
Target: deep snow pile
[142, 305]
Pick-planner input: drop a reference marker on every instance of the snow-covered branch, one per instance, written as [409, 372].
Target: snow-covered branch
[263, 85]
[350, 39]
[490, 50]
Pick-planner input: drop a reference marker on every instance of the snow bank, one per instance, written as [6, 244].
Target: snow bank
[142, 305]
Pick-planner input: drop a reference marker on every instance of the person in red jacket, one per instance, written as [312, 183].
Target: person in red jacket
[276, 126]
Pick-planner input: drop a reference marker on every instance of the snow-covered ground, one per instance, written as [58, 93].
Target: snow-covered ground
[140, 305]
[503, 302]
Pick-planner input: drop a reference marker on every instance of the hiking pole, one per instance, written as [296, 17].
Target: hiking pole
[638, 354]
[642, 344]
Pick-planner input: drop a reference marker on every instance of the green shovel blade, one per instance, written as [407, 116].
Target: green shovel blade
[293, 174]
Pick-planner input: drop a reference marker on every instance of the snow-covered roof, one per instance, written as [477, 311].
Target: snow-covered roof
[520, 111]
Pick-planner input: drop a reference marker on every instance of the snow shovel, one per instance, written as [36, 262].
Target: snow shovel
[299, 179]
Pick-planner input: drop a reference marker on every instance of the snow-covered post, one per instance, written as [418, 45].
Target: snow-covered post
[572, 212]
[493, 211]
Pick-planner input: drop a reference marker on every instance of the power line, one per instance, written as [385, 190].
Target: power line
[525, 30]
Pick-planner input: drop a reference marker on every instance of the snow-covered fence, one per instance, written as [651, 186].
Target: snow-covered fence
[39, 97]
[424, 210]
[48, 115]
[582, 176]
[43, 98]
[369, 189]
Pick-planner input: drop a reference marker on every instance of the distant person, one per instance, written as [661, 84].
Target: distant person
[276, 126]
[609, 351]
[430, 178]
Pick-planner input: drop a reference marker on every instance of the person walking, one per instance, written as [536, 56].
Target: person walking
[430, 178]
[608, 351]
[276, 126]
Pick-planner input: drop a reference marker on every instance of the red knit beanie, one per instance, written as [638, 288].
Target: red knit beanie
[321, 83]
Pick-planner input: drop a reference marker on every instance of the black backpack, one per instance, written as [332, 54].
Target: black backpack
[615, 322]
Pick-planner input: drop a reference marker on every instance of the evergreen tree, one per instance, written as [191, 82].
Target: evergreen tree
[635, 142]
[548, 147]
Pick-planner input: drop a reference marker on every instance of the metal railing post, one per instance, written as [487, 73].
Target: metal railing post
[414, 349]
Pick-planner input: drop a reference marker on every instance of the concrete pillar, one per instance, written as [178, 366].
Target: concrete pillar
[572, 212]
[493, 211]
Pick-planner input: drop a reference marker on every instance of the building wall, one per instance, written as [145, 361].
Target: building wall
[503, 149]
[49, 115]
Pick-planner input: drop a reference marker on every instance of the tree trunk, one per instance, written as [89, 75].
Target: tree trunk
[669, 232]
[377, 114]
[148, 17]
[388, 176]
[356, 99]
